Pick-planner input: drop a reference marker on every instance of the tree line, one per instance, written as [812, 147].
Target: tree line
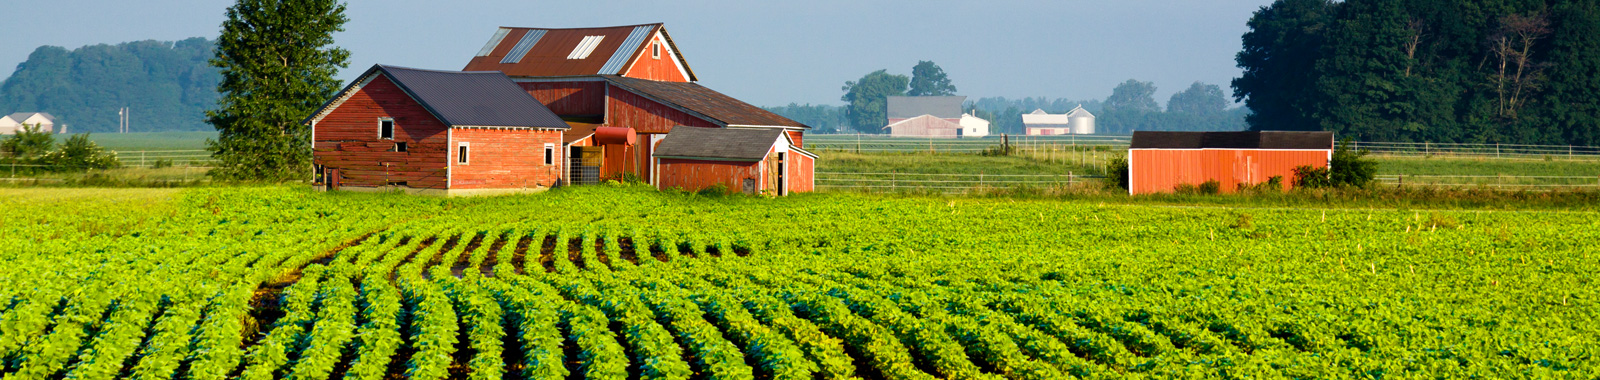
[1482, 71]
[167, 85]
[1131, 106]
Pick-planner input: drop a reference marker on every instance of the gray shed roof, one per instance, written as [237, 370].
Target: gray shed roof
[466, 98]
[943, 107]
[20, 116]
[722, 144]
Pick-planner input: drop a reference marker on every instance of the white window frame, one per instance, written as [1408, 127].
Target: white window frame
[392, 127]
[464, 153]
[655, 50]
[549, 154]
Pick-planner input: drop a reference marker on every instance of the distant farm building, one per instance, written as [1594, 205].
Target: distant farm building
[1078, 121]
[1158, 162]
[932, 116]
[619, 91]
[10, 124]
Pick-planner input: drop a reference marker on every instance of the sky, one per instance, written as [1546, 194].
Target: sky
[764, 52]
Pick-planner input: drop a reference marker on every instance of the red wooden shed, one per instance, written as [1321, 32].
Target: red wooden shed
[436, 132]
[746, 160]
[1160, 161]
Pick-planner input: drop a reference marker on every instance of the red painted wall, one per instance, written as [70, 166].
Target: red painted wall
[694, 175]
[569, 98]
[1162, 170]
[646, 116]
[665, 68]
[801, 172]
[504, 159]
[797, 136]
[347, 139]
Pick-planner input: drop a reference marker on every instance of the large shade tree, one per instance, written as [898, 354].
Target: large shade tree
[869, 99]
[278, 64]
[928, 79]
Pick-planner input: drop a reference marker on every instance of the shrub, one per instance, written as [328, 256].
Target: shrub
[29, 142]
[1186, 189]
[1117, 172]
[1210, 187]
[161, 163]
[78, 153]
[1001, 150]
[1307, 176]
[1351, 167]
[716, 190]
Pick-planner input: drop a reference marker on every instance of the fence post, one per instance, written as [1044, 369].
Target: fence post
[1496, 150]
[141, 159]
[892, 185]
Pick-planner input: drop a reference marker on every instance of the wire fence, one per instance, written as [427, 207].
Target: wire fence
[881, 144]
[152, 158]
[1494, 181]
[943, 183]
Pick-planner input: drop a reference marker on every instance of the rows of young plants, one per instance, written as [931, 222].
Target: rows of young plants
[624, 283]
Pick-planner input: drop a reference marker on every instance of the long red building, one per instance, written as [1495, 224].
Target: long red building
[617, 91]
[1160, 161]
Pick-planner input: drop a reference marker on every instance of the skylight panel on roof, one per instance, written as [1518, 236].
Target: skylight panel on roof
[585, 47]
[523, 46]
[499, 35]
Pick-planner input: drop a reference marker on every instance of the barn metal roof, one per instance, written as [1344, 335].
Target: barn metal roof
[944, 107]
[552, 52]
[482, 99]
[723, 144]
[1232, 140]
[712, 105]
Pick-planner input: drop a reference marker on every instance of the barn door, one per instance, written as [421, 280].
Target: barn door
[331, 178]
[783, 177]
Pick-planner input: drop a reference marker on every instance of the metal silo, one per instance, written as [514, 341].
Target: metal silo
[1080, 121]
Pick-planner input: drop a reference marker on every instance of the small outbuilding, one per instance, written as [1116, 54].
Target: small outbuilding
[436, 132]
[1158, 162]
[746, 160]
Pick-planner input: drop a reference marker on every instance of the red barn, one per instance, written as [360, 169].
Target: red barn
[746, 160]
[1160, 161]
[612, 81]
[437, 132]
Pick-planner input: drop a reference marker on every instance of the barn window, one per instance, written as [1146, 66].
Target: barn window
[549, 154]
[461, 154]
[399, 147]
[386, 128]
[655, 50]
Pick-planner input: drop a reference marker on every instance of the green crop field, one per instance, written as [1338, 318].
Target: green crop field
[153, 140]
[624, 283]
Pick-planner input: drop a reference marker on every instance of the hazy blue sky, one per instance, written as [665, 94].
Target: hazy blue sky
[767, 53]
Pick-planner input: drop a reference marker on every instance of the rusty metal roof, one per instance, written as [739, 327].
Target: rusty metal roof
[704, 102]
[456, 98]
[723, 144]
[548, 52]
[1232, 140]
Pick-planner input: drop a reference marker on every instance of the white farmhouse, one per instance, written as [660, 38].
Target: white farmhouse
[10, 124]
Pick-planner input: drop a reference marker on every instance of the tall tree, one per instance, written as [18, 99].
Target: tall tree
[278, 65]
[1199, 99]
[1574, 85]
[927, 79]
[1280, 51]
[869, 99]
[1361, 80]
[1133, 95]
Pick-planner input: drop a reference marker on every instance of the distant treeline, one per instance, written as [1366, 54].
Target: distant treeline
[166, 85]
[1484, 71]
[1131, 107]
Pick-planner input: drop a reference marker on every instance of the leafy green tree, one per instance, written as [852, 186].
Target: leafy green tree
[278, 65]
[1199, 99]
[1280, 51]
[79, 153]
[29, 142]
[1133, 95]
[1574, 73]
[869, 99]
[1360, 84]
[927, 79]
[821, 117]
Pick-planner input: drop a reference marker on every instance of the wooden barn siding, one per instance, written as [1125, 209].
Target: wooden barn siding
[505, 159]
[797, 136]
[645, 115]
[801, 172]
[1160, 171]
[694, 175]
[663, 69]
[569, 98]
[347, 139]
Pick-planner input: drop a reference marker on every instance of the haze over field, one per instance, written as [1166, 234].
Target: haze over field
[762, 52]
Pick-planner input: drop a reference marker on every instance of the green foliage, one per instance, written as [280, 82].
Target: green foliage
[278, 66]
[1133, 95]
[1199, 99]
[28, 142]
[1498, 71]
[166, 84]
[927, 79]
[821, 117]
[1210, 187]
[1117, 172]
[1307, 176]
[1351, 167]
[868, 110]
[78, 153]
